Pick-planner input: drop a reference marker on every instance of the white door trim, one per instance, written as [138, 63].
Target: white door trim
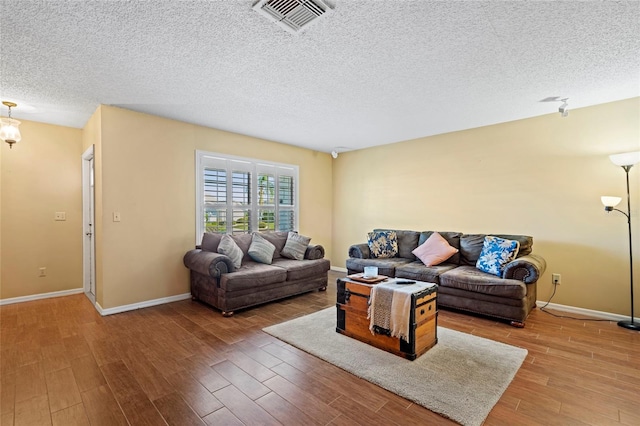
[88, 226]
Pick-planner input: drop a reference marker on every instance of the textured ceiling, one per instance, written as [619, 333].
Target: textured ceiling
[371, 73]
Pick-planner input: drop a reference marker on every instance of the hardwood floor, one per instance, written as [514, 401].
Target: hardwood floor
[183, 364]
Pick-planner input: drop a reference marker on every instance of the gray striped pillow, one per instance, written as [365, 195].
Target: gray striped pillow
[296, 246]
[261, 250]
[229, 248]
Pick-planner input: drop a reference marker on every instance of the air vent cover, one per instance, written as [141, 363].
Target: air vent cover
[293, 15]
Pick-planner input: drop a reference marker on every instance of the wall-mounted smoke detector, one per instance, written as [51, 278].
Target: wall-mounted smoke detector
[293, 15]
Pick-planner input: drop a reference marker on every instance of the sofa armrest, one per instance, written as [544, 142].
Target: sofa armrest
[208, 263]
[314, 252]
[360, 251]
[527, 269]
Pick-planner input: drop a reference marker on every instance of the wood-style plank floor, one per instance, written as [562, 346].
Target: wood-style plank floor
[184, 364]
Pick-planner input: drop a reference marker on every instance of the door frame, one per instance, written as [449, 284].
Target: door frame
[88, 225]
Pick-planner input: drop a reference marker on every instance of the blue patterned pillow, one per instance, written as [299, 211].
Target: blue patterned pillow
[496, 253]
[383, 244]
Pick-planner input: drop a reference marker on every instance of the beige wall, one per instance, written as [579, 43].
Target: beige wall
[92, 135]
[148, 176]
[542, 176]
[41, 176]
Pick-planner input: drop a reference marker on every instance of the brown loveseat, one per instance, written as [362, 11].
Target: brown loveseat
[460, 285]
[216, 281]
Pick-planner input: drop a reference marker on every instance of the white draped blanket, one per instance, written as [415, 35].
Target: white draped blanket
[390, 307]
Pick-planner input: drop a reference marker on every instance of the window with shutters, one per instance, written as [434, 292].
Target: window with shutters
[239, 195]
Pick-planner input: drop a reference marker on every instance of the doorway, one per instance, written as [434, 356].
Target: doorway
[88, 227]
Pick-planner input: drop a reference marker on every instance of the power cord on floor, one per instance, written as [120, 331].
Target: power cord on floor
[542, 308]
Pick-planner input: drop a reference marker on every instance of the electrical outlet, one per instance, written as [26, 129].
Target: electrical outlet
[60, 216]
[555, 279]
[43, 272]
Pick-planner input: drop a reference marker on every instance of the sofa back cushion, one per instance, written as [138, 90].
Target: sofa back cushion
[244, 242]
[407, 242]
[278, 239]
[471, 246]
[211, 241]
[453, 238]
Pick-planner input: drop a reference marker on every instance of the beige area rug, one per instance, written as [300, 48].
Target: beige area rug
[461, 377]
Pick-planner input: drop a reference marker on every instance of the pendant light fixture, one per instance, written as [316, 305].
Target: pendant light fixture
[9, 131]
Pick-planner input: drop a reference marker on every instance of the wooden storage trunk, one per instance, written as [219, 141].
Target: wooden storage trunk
[352, 306]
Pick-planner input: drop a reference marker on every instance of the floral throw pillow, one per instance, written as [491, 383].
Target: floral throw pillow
[496, 253]
[383, 244]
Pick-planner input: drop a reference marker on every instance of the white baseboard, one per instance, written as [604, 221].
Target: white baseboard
[40, 296]
[339, 269]
[163, 300]
[582, 311]
[140, 305]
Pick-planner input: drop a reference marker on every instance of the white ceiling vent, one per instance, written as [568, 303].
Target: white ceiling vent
[293, 15]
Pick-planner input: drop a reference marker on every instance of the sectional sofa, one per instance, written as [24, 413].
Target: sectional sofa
[462, 286]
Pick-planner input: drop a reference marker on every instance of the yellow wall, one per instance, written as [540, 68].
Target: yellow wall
[148, 176]
[541, 176]
[40, 176]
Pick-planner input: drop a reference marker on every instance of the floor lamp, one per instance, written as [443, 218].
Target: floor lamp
[626, 161]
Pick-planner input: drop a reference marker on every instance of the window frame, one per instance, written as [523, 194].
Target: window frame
[231, 163]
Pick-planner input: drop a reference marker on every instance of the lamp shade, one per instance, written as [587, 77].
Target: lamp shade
[610, 201]
[625, 159]
[9, 131]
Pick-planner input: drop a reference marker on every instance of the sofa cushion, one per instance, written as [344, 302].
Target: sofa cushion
[496, 253]
[407, 242]
[383, 244]
[471, 246]
[278, 239]
[210, 241]
[435, 250]
[453, 238]
[244, 242]
[297, 270]
[471, 279]
[261, 250]
[420, 272]
[296, 246]
[252, 275]
[386, 267]
[229, 248]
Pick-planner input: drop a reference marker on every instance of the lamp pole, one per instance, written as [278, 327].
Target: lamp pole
[631, 324]
[626, 161]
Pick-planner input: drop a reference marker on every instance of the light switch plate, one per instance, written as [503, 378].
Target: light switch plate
[116, 216]
[61, 216]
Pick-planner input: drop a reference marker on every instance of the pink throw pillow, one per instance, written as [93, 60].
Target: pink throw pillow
[435, 250]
